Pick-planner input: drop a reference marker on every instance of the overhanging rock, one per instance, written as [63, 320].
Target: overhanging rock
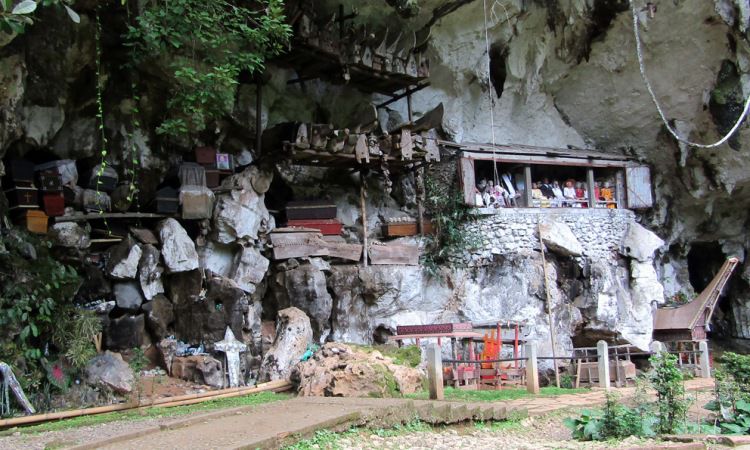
[560, 239]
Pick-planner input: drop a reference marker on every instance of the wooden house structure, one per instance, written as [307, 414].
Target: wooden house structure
[522, 164]
[689, 322]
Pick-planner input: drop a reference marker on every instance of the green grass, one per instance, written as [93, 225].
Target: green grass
[150, 413]
[496, 396]
[325, 439]
[410, 355]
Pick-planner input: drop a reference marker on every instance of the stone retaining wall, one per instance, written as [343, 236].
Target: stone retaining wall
[514, 230]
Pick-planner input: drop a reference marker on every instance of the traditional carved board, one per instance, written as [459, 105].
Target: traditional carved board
[638, 180]
[406, 145]
[432, 150]
[351, 252]
[433, 328]
[394, 254]
[362, 150]
[298, 245]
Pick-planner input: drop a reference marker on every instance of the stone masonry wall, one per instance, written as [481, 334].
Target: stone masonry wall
[514, 230]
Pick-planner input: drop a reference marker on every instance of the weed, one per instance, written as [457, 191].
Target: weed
[498, 395]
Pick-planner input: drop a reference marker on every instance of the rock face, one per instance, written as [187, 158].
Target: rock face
[70, 234]
[110, 371]
[337, 370]
[128, 296]
[201, 369]
[123, 259]
[558, 238]
[159, 315]
[249, 269]
[293, 336]
[178, 250]
[150, 271]
[640, 243]
[125, 332]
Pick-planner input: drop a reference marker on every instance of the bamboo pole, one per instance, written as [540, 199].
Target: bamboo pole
[276, 386]
[549, 305]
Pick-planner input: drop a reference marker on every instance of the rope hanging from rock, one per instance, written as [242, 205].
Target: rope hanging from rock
[489, 92]
[671, 130]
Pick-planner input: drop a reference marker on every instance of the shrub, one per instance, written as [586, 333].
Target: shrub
[667, 379]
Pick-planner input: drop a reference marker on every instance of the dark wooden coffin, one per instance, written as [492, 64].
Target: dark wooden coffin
[106, 181]
[20, 172]
[213, 178]
[167, 200]
[206, 157]
[50, 181]
[23, 197]
[310, 210]
[436, 328]
[54, 204]
[327, 227]
[394, 254]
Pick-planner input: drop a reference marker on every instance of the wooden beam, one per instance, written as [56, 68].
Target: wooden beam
[527, 182]
[590, 186]
[362, 196]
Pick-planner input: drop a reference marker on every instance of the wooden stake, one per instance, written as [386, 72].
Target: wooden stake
[362, 196]
[549, 305]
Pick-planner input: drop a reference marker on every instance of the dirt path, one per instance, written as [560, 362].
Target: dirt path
[268, 424]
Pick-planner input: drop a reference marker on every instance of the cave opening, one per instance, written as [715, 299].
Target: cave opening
[704, 260]
[498, 70]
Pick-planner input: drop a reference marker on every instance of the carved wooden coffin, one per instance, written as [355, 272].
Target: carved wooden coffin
[34, 220]
[409, 228]
[192, 174]
[402, 254]
[327, 227]
[435, 328]
[288, 243]
[167, 200]
[50, 181]
[54, 204]
[23, 197]
[20, 172]
[310, 210]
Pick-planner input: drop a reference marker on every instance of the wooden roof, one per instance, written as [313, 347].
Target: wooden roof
[521, 153]
[687, 316]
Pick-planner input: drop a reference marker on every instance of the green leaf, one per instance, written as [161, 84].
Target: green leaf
[72, 14]
[25, 7]
[6, 4]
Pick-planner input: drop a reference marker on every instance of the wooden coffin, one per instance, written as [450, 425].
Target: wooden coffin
[192, 174]
[54, 204]
[435, 328]
[167, 200]
[399, 229]
[33, 220]
[20, 172]
[96, 201]
[402, 254]
[297, 244]
[618, 371]
[349, 252]
[327, 227]
[50, 181]
[310, 210]
[197, 204]
[106, 181]
[213, 178]
[206, 157]
[23, 197]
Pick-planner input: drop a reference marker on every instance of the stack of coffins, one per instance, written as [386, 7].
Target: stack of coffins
[196, 198]
[23, 196]
[320, 215]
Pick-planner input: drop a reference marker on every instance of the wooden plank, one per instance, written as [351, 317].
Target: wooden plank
[298, 245]
[638, 181]
[350, 252]
[401, 254]
[468, 182]
[98, 216]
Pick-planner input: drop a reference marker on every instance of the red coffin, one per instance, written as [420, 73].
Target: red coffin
[54, 204]
[327, 227]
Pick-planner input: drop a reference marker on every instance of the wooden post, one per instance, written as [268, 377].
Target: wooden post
[408, 108]
[591, 188]
[602, 353]
[549, 306]
[419, 178]
[527, 182]
[705, 367]
[532, 369]
[362, 196]
[435, 372]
